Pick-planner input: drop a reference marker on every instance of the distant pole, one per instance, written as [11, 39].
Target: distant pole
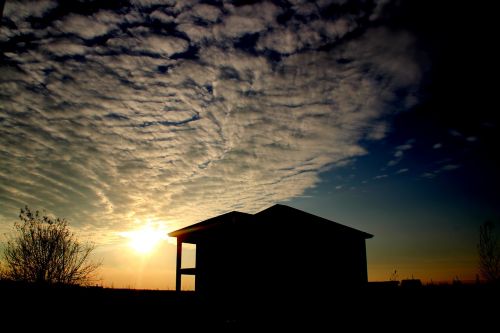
[178, 265]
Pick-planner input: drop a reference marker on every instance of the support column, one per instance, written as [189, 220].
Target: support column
[178, 265]
[364, 263]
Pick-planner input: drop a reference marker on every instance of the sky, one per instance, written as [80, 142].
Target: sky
[134, 118]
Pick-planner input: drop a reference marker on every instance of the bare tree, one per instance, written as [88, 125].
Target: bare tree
[44, 250]
[489, 252]
[2, 272]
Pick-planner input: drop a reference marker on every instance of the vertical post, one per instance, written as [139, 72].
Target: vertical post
[364, 263]
[178, 265]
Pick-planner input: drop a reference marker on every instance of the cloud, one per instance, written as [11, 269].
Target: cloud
[163, 45]
[247, 19]
[207, 13]
[402, 170]
[83, 26]
[62, 47]
[407, 146]
[144, 124]
[153, 44]
[378, 131]
[196, 33]
[20, 10]
[333, 30]
[450, 167]
[444, 168]
[296, 35]
[437, 145]
[428, 175]
[159, 15]
[304, 7]
[379, 9]
[380, 177]
[400, 151]
[149, 3]
[283, 41]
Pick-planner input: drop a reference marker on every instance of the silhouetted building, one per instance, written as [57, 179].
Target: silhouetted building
[279, 249]
[411, 283]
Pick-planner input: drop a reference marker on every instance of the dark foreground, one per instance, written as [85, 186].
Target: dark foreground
[429, 308]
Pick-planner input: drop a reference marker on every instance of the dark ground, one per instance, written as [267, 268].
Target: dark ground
[429, 308]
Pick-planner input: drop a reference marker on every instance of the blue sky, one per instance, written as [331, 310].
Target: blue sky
[157, 114]
[424, 211]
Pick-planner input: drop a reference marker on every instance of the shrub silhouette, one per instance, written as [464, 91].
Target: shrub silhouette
[44, 250]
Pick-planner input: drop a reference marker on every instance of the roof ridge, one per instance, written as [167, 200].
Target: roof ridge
[222, 220]
[368, 235]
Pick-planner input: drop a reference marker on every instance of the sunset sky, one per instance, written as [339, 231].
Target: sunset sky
[134, 118]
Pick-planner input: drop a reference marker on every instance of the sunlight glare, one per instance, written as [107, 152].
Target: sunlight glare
[144, 240]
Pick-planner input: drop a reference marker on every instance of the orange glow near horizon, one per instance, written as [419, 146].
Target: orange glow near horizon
[145, 258]
[427, 272]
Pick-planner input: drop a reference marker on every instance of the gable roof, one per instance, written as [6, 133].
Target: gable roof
[214, 223]
[277, 216]
[297, 216]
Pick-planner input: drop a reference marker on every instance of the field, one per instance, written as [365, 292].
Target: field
[473, 307]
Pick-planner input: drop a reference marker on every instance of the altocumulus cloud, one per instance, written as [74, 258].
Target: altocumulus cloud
[179, 111]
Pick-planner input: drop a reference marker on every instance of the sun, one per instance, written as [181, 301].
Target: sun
[144, 240]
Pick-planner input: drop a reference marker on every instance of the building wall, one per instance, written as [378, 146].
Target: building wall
[251, 266]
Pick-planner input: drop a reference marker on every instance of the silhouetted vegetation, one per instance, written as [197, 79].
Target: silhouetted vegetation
[376, 306]
[489, 252]
[44, 250]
